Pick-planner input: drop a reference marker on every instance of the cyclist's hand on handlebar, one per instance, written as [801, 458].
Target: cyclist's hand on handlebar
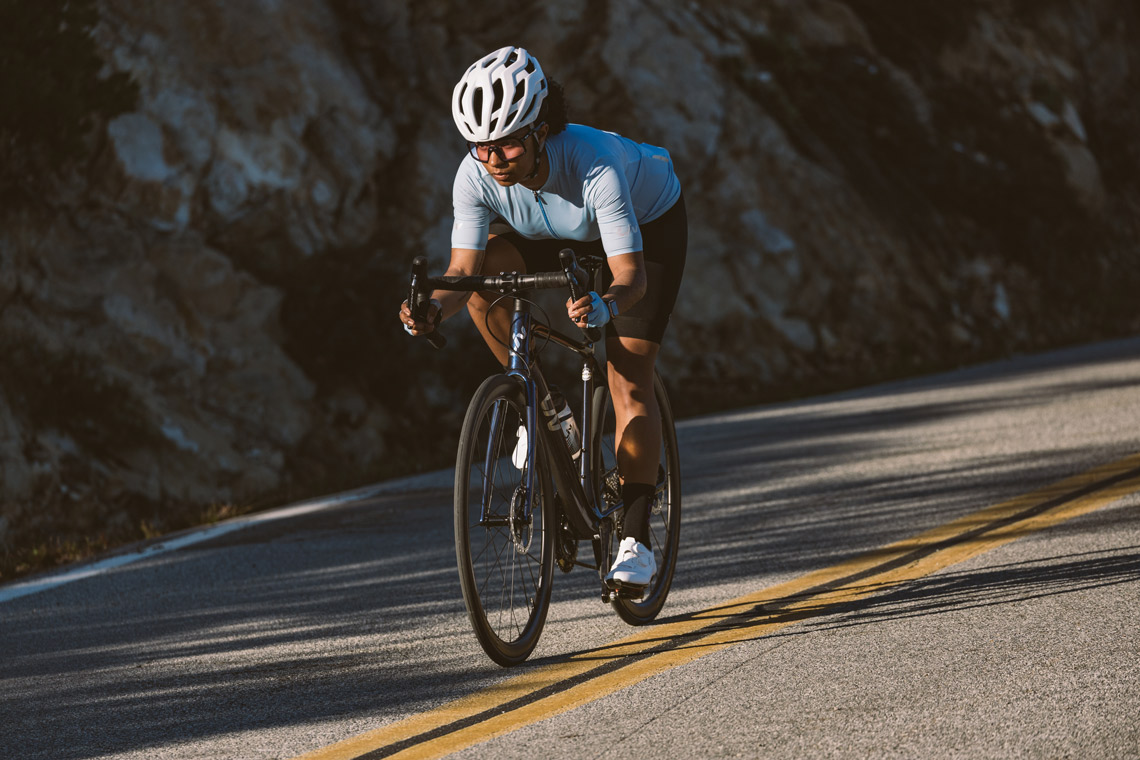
[591, 310]
[422, 327]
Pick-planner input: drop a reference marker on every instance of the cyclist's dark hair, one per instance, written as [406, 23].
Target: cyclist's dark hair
[553, 110]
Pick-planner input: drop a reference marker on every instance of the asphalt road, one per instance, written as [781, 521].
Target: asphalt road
[293, 634]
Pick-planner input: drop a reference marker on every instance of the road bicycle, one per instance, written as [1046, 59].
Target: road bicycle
[525, 498]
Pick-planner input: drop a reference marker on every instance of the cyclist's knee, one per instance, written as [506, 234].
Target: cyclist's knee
[631, 363]
[502, 256]
[632, 360]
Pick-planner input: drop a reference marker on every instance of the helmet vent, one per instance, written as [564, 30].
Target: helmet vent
[477, 102]
[497, 95]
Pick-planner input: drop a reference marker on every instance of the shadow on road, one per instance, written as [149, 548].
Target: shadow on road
[947, 592]
[355, 613]
[996, 585]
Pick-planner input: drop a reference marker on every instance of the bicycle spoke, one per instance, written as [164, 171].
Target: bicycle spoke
[506, 563]
[506, 580]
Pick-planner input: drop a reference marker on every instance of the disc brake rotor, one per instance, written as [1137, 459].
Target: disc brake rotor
[522, 529]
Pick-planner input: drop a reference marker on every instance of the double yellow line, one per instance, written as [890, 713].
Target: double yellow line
[547, 691]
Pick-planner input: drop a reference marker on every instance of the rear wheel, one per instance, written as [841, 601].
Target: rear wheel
[665, 513]
[504, 531]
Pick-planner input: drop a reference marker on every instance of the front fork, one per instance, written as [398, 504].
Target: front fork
[518, 367]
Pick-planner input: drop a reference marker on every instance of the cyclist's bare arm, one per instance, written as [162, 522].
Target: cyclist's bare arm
[627, 288]
[464, 262]
[446, 303]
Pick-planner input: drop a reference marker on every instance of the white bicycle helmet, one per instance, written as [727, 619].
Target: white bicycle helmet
[500, 93]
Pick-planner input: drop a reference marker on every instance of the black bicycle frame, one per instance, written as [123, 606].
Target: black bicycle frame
[580, 504]
[585, 518]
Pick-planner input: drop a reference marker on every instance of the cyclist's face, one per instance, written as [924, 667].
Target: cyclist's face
[512, 158]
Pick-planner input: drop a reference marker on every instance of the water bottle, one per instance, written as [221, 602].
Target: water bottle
[561, 417]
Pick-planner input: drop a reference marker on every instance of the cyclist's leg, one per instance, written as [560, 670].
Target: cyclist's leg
[633, 340]
[510, 252]
[638, 427]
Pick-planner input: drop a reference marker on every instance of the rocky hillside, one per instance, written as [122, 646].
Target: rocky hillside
[197, 307]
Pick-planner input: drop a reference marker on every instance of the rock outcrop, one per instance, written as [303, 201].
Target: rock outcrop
[203, 313]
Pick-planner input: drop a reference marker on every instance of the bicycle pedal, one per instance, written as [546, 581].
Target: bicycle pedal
[626, 590]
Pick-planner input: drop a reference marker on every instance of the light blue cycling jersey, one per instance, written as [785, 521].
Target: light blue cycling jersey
[601, 185]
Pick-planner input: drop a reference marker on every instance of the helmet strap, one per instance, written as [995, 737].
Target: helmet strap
[537, 166]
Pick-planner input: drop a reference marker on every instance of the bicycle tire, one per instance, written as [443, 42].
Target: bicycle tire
[664, 518]
[506, 564]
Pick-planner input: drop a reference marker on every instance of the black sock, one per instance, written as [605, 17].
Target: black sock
[637, 498]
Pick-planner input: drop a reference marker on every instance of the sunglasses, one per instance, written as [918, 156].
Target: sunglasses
[507, 149]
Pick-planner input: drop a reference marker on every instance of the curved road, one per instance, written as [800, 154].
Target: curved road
[947, 566]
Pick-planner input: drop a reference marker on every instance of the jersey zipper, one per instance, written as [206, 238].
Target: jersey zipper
[545, 218]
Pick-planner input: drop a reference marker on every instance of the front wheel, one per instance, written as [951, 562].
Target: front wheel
[504, 531]
[665, 513]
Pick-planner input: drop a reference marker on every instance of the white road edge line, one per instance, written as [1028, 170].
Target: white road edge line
[194, 536]
[437, 479]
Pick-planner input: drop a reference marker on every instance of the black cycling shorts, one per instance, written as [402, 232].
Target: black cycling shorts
[664, 243]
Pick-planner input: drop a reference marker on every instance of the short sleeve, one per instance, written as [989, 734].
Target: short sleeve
[608, 192]
[472, 218]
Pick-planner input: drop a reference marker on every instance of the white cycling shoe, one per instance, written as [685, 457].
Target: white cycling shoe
[634, 567]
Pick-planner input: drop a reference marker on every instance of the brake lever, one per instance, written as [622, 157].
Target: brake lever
[419, 300]
[578, 287]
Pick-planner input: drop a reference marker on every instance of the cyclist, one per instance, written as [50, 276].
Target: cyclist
[557, 184]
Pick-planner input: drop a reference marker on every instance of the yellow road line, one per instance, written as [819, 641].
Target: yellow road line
[547, 691]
